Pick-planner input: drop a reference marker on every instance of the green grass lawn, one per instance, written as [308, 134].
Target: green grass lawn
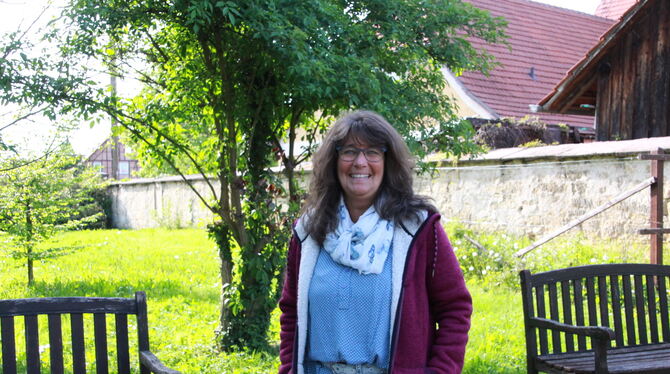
[178, 269]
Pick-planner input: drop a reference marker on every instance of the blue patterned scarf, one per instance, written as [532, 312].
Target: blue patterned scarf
[363, 245]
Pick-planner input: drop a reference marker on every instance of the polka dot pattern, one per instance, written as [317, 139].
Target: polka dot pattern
[349, 315]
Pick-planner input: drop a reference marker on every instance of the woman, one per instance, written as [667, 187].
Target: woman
[372, 284]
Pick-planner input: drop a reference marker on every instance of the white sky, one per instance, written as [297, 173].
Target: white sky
[21, 13]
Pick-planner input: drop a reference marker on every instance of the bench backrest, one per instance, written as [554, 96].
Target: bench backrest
[631, 299]
[74, 309]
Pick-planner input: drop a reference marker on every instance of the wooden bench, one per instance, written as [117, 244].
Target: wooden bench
[76, 310]
[597, 319]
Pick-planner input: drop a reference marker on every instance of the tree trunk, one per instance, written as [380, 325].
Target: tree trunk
[221, 236]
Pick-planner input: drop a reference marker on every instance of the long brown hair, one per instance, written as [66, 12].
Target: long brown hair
[395, 199]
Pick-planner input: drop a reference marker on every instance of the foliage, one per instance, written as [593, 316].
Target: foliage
[36, 84]
[233, 87]
[495, 265]
[42, 197]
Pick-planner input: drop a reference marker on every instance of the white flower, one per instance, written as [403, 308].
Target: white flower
[483, 272]
[471, 268]
[593, 260]
[488, 267]
[474, 254]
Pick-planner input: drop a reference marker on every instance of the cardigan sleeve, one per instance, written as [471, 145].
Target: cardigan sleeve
[450, 305]
[288, 307]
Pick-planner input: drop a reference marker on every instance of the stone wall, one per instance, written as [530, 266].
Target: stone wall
[520, 191]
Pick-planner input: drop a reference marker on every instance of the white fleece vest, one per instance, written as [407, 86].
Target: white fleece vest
[310, 252]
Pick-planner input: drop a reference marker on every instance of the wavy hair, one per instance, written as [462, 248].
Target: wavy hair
[395, 200]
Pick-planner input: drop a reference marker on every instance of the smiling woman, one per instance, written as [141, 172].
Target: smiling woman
[364, 239]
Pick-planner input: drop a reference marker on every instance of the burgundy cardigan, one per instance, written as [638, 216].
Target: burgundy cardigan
[433, 293]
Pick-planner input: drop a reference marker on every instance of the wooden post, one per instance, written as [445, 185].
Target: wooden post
[656, 216]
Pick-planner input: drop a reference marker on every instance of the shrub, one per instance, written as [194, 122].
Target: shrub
[488, 258]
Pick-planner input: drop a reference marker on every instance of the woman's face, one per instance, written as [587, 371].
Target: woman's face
[360, 178]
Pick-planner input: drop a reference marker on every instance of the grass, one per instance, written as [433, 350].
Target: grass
[178, 269]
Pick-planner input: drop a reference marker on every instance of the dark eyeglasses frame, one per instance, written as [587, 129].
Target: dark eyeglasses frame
[359, 150]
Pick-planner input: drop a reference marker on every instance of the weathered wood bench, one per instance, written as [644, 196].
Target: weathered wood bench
[76, 310]
[622, 309]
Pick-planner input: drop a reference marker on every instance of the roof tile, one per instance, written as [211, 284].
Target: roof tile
[613, 9]
[546, 38]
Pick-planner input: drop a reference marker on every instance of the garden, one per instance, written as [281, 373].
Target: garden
[179, 270]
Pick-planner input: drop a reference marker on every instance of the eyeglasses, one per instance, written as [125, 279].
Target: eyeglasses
[351, 153]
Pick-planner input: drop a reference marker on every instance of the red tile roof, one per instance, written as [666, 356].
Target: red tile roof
[544, 39]
[613, 9]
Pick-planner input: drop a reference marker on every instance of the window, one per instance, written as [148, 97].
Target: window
[124, 169]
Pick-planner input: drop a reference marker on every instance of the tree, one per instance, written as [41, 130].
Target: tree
[231, 88]
[40, 197]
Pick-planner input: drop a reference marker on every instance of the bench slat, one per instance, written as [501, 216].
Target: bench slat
[651, 307]
[579, 311]
[567, 314]
[591, 297]
[599, 271]
[553, 312]
[639, 306]
[8, 345]
[64, 305]
[32, 345]
[630, 313]
[603, 302]
[78, 352]
[542, 313]
[122, 356]
[100, 334]
[56, 344]
[616, 310]
[663, 304]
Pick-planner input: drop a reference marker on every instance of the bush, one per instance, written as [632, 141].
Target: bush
[488, 258]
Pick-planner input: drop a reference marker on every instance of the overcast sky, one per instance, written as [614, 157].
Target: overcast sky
[20, 13]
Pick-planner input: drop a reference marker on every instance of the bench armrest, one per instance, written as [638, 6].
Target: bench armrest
[597, 332]
[155, 365]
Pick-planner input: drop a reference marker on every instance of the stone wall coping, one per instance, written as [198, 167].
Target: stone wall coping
[615, 149]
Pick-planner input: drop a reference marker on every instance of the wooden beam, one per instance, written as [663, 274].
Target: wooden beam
[656, 205]
[655, 156]
[654, 231]
[617, 199]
